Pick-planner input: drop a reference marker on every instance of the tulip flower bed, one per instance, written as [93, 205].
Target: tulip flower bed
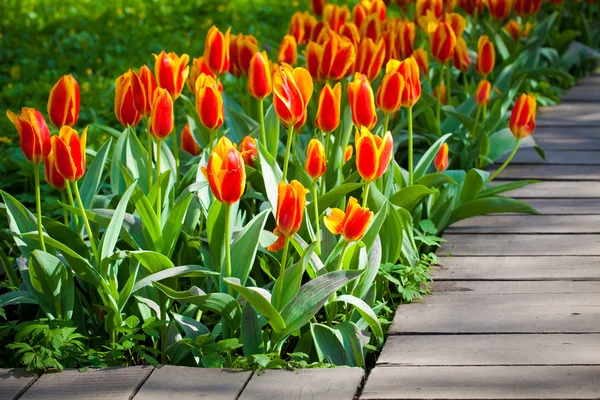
[300, 204]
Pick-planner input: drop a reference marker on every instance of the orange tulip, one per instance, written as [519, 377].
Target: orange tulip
[486, 56]
[315, 159]
[499, 9]
[443, 93]
[125, 102]
[328, 113]
[373, 154]
[260, 83]
[470, 6]
[292, 90]
[288, 51]
[311, 26]
[51, 173]
[369, 58]
[209, 103]
[313, 55]
[482, 93]
[335, 16]
[69, 153]
[422, 59]
[225, 172]
[443, 42]
[216, 50]
[352, 224]
[199, 66]
[389, 94]
[350, 31]
[406, 33]
[348, 153]
[171, 72]
[337, 59]
[249, 150]
[457, 22]
[365, 8]
[241, 50]
[462, 61]
[143, 86]
[412, 82]
[296, 28]
[436, 7]
[162, 119]
[522, 118]
[188, 142]
[371, 28]
[63, 103]
[34, 134]
[362, 102]
[317, 6]
[526, 8]
[291, 201]
[515, 30]
[441, 160]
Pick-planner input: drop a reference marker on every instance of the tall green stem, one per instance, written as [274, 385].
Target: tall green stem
[63, 199]
[410, 147]
[159, 187]
[279, 284]
[386, 121]
[211, 139]
[288, 149]
[72, 204]
[474, 134]
[150, 164]
[226, 272]
[439, 97]
[484, 117]
[508, 160]
[86, 222]
[449, 85]
[176, 156]
[38, 205]
[317, 228]
[261, 119]
[366, 194]
[466, 83]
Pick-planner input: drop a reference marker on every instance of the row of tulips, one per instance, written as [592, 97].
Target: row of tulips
[241, 243]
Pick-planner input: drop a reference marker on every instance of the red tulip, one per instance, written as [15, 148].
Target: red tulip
[486, 56]
[348, 153]
[291, 201]
[443, 42]
[288, 51]
[292, 89]
[316, 160]
[225, 172]
[389, 95]
[171, 72]
[241, 50]
[162, 119]
[462, 61]
[69, 150]
[362, 102]
[499, 9]
[526, 8]
[216, 50]
[63, 104]
[260, 84]
[249, 150]
[143, 86]
[522, 118]
[199, 66]
[335, 16]
[34, 134]
[373, 154]
[125, 102]
[337, 59]
[482, 93]
[51, 173]
[328, 113]
[441, 160]
[352, 224]
[369, 59]
[209, 103]
[188, 142]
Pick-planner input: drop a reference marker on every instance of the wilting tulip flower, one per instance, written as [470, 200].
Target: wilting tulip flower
[499, 9]
[288, 51]
[241, 50]
[216, 50]
[63, 103]
[422, 59]
[350, 31]
[440, 94]
[249, 150]
[296, 27]
[69, 152]
[457, 22]
[124, 100]
[522, 118]
[291, 201]
[51, 173]
[260, 84]
[338, 56]
[362, 102]
[348, 153]
[225, 172]
[441, 160]
[162, 119]
[462, 61]
[335, 16]
[373, 154]
[317, 6]
[443, 42]
[351, 224]
[209, 103]
[34, 135]
[486, 56]
[482, 93]
[315, 159]
[328, 113]
[188, 142]
[292, 90]
[171, 72]
[143, 85]
[515, 30]
[389, 94]
[526, 8]
[199, 66]
[369, 58]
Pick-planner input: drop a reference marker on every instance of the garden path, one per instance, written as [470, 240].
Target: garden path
[515, 309]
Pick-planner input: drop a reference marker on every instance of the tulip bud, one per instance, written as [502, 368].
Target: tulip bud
[171, 72]
[352, 224]
[69, 153]
[373, 154]
[462, 61]
[440, 93]
[522, 118]
[337, 59]
[249, 150]
[443, 42]
[296, 28]
[199, 66]
[412, 81]
[335, 16]
[63, 103]
[422, 59]
[288, 51]
[188, 142]
[51, 173]
[369, 59]
[34, 134]
[389, 94]
[362, 102]
[143, 86]
[499, 9]
[124, 101]
[526, 8]
[292, 89]
[225, 172]
[482, 93]
[209, 103]
[316, 160]
[216, 50]
[260, 84]
[515, 30]
[162, 118]
[486, 56]
[328, 113]
[291, 201]
[348, 153]
[441, 160]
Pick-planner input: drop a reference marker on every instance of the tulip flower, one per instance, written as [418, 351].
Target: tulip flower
[143, 86]
[350, 31]
[311, 26]
[51, 173]
[348, 153]
[443, 42]
[162, 117]
[315, 159]
[351, 224]
[405, 33]
[338, 56]
[371, 28]
[296, 28]
[369, 59]
[373, 155]
[260, 85]
[34, 137]
[317, 6]
[216, 50]
[328, 113]
[486, 56]
[422, 59]
[335, 16]
[526, 8]
[482, 93]
[209, 103]
[316, 30]
[472, 7]
[389, 94]
[440, 93]
[436, 7]
[457, 22]
[171, 72]
[188, 142]
[441, 160]
[288, 51]
[125, 109]
[462, 61]
[499, 9]
[365, 8]
[313, 55]
[63, 103]
[516, 31]
[249, 150]
[199, 66]
[241, 50]
[362, 102]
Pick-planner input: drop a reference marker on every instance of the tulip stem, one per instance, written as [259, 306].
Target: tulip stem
[386, 121]
[63, 199]
[211, 139]
[159, 181]
[87, 224]
[317, 228]
[288, 149]
[261, 119]
[366, 193]
[279, 284]
[150, 165]
[176, 156]
[227, 272]
[439, 96]
[448, 85]
[466, 83]
[410, 147]
[72, 204]
[38, 205]
[474, 135]
[508, 160]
